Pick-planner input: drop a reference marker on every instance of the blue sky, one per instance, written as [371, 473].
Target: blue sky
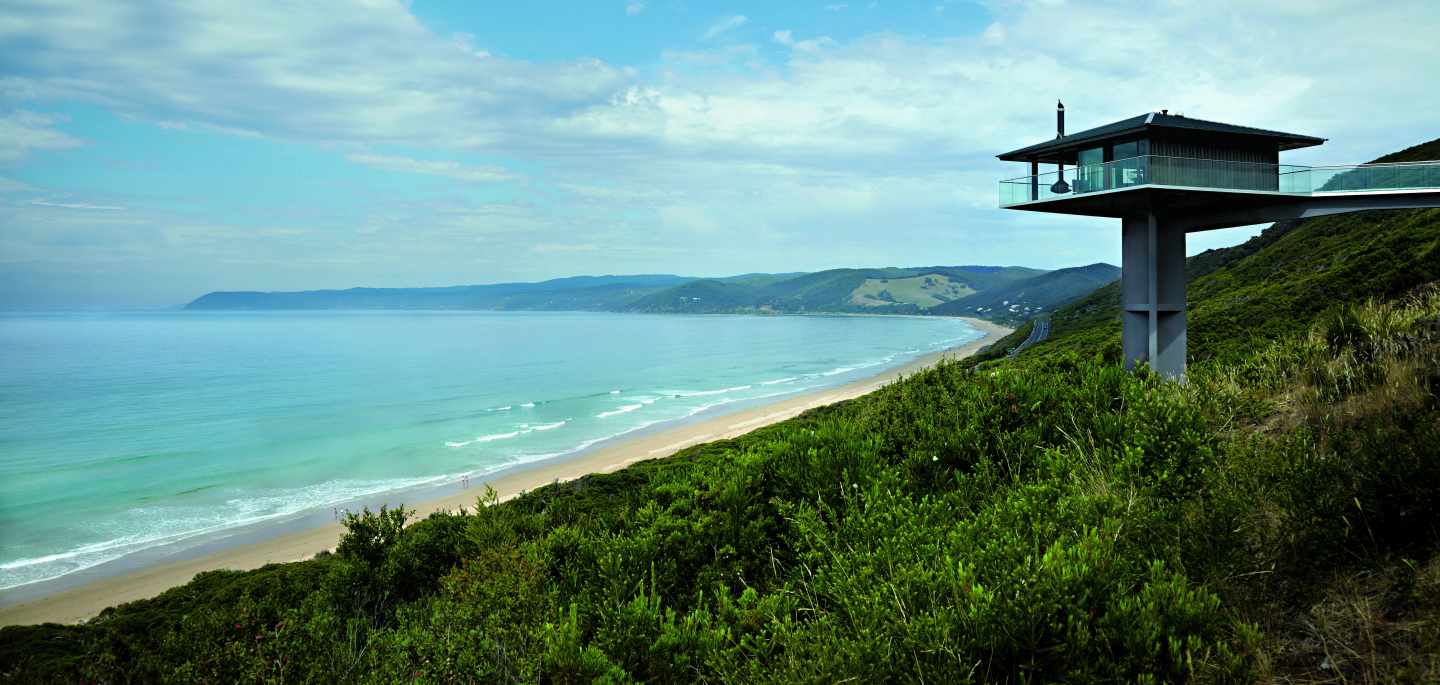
[152, 152]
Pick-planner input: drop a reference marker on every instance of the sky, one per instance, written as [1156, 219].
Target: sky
[152, 152]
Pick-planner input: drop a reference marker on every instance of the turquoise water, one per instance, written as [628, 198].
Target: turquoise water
[123, 432]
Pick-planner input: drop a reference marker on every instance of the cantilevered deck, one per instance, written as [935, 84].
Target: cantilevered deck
[1165, 175]
[1121, 187]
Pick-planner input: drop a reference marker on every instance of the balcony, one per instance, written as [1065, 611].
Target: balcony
[1183, 173]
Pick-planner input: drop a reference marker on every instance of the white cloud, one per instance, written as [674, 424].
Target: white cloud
[76, 205]
[634, 7]
[293, 71]
[446, 168]
[837, 7]
[724, 159]
[22, 132]
[369, 72]
[202, 127]
[724, 25]
[787, 38]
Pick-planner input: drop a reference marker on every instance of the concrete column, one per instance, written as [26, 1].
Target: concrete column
[1152, 294]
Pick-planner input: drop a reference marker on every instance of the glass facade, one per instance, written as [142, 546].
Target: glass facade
[1090, 170]
[1128, 167]
[1186, 172]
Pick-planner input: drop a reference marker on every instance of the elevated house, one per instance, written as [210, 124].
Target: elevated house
[1164, 175]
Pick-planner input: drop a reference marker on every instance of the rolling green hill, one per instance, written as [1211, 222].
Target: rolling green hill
[1051, 518]
[1022, 299]
[837, 289]
[924, 292]
[878, 291]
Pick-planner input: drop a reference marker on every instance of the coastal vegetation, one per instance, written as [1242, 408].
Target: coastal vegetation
[1041, 522]
[1046, 518]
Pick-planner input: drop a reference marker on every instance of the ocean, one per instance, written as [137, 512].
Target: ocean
[127, 432]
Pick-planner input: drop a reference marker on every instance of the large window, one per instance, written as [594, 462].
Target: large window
[1090, 170]
[1128, 169]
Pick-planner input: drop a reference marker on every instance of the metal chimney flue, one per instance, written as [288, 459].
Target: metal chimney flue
[1059, 119]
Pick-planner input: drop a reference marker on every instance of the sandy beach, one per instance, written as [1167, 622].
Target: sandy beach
[83, 602]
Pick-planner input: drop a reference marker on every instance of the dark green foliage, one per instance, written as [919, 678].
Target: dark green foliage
[380, 563]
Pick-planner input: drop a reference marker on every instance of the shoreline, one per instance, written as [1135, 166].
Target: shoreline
[76, 604]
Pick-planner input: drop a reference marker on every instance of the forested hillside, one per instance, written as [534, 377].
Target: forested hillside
[1032, 296]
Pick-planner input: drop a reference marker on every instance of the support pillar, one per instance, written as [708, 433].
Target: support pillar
[1152, 294]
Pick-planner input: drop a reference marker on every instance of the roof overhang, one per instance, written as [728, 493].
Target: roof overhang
[1063, 149]
[1123, 202]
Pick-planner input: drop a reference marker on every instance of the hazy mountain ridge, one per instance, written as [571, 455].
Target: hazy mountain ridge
[891, 290]
[587, 289]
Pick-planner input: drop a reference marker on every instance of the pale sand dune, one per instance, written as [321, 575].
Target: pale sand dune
[80, 603]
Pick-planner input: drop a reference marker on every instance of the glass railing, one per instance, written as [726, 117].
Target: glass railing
[1367, 177]
[1187, 172]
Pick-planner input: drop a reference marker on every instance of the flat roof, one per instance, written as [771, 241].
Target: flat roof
[1155, 121]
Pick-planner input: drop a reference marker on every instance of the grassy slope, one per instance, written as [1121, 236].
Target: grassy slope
[922, 291]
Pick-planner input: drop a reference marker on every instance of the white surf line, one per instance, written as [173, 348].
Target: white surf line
[816, 402]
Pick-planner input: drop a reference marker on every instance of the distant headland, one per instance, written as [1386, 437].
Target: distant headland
[1001, 293]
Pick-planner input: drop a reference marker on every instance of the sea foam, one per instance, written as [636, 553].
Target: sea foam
[488, 438]
[622, 410]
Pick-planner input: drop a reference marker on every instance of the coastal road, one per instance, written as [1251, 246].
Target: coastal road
[1038, 332]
